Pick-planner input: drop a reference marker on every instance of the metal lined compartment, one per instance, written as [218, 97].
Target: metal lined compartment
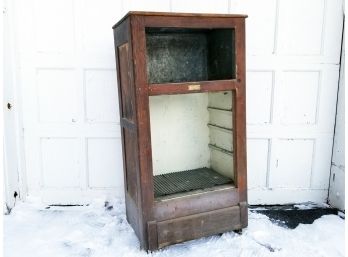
[181, 55]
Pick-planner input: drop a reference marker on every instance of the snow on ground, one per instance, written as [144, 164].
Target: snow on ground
[310, 205]
[31, 230]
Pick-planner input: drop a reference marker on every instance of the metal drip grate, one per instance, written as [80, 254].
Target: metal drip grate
[188, 180]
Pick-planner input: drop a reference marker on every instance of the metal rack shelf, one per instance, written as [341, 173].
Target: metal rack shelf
[188, 180]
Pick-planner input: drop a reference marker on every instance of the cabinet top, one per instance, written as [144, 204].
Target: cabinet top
[175, 14]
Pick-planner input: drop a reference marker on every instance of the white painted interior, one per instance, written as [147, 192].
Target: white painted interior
[337, 179]
[220, 132]
[186, 132]
[65, 71]
[179, 132]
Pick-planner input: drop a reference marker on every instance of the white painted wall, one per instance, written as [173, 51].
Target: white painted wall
[66, 71]
[337, 179]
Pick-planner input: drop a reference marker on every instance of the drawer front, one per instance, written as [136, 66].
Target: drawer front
[198, 225]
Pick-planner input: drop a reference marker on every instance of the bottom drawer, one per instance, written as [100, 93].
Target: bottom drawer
[198, 225]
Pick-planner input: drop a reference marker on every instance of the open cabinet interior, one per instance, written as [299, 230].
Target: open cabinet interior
[192, 142]
[186, 54]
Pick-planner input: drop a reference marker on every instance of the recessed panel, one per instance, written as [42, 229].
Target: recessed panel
[126, 83]
[57, 95]
[54, 24]
[101, 96]
[323, 161]
[60, 162]
[259, 97]
[299, 92]
[104, 162]
[130, 145]
[99, 16]
[260, 26]
[292, 167]
[300, 27]
[258, 150]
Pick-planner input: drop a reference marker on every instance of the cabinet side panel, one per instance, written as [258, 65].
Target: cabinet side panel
[127, 114]
[130, 153]
[127, 91]
[128, 122]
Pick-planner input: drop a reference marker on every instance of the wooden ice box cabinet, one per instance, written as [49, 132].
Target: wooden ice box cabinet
[181, 87]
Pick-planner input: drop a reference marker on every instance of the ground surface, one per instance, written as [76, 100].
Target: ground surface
[291, 216]
[101, 230]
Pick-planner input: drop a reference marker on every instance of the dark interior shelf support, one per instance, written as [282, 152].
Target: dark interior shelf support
[220, 149]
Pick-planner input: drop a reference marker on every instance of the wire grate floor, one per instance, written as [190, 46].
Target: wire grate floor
[188, 180]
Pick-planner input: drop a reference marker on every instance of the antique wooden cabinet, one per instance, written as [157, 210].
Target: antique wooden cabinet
[181, 87]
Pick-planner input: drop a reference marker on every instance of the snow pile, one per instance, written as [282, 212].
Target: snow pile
[101, 230]
[310, 205]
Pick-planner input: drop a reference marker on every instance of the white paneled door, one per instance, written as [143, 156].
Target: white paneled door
[293, 55]
[66, 71]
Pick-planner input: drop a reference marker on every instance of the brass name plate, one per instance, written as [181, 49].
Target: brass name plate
[194, 87]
